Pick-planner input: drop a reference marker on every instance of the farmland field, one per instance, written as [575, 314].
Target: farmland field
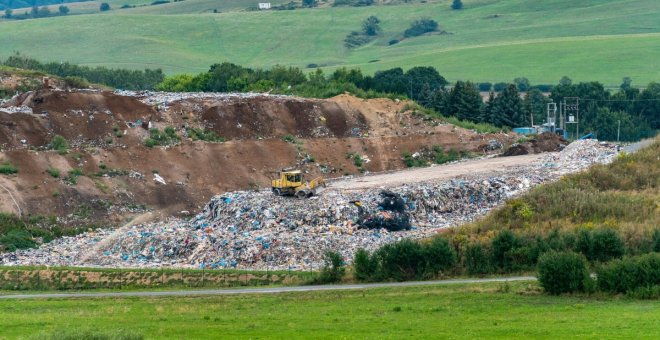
[489, 40]
[461, 311]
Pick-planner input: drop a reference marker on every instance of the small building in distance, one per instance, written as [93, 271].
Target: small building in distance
[264, 5]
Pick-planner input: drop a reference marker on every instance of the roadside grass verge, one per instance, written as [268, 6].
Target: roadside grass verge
[461, 310]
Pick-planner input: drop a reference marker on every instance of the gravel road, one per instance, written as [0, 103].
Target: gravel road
[273, 290]
[438, 172]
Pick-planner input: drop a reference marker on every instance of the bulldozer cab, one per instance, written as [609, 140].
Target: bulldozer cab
[288, 182]
[293, 177]
[290, 179]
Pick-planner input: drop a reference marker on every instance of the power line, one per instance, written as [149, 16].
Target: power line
[620, 100]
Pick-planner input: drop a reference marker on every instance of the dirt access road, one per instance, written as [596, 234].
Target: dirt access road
[439, 172]
[269, 290]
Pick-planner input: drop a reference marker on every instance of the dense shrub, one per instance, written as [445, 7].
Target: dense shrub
[439, 257]
[563, 272]
[405, 260]
[363, 268]
[16, 239]
[502, 246]
[629, 274]
[607, 245]
[60, 144]
[477, 259]
[421, 26]
[333, 268]
[75, 82]
[401, 261]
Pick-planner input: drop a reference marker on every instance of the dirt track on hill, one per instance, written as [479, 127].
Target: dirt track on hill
[439, 172]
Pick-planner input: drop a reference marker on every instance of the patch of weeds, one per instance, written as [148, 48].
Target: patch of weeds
[396, 309]
[118, 132]
[60, 144]
[411, 161]
[204, 135]
[156, 137]
[110, 172]
[72, 178]
[83, 211]
[357, 160]
[7, 168]
[289, 139]
[56, 193]
[77, 157]
[440, 157]
[55, 173]
[101, 186]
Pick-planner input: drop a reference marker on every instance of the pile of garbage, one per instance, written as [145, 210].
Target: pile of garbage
[16, 109]
[581, 154]
[164, 99]
[258, 230]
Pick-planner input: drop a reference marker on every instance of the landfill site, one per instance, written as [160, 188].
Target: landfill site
[200, 204]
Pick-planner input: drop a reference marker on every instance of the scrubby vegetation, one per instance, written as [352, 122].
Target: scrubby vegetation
[167, 137]
[59, 144]
[6, 168]
[204, 135]
[17, 233]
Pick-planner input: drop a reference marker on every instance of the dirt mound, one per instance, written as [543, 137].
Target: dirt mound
[545, 142]
[265, 118]
[89, 116]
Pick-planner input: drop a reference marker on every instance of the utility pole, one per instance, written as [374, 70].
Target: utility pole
[618, 130]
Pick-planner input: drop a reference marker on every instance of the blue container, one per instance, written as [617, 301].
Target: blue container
[525, 130]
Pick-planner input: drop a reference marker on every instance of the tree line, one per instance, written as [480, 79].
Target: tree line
[630, 111]
[117, 78]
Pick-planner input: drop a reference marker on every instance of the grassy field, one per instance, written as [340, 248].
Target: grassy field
[460, 311]
[146, 7]
[542, 40]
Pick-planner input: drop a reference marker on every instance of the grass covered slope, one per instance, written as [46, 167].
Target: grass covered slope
[624, 196]
[456, 311]
[487, 41]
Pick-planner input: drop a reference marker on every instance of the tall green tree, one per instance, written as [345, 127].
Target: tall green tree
[648, 105]
[63, 10]
[488, 109]
[456, 4]
[508, 108]
[536, 105]
[465, 101]
[371, 26]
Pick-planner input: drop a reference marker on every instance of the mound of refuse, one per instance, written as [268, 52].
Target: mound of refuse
[258, 230]
[545, 142]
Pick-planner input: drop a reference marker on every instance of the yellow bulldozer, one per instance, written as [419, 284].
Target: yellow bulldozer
[291, 183]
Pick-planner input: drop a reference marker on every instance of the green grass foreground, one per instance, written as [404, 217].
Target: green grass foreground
[456, 311]
[489, 40]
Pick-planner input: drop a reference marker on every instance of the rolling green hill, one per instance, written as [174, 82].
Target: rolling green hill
[489, 40]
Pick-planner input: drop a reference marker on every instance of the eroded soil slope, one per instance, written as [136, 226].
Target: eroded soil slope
[119, 176]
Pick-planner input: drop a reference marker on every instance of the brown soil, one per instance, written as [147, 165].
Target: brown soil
[545, 142]
[326, 131]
